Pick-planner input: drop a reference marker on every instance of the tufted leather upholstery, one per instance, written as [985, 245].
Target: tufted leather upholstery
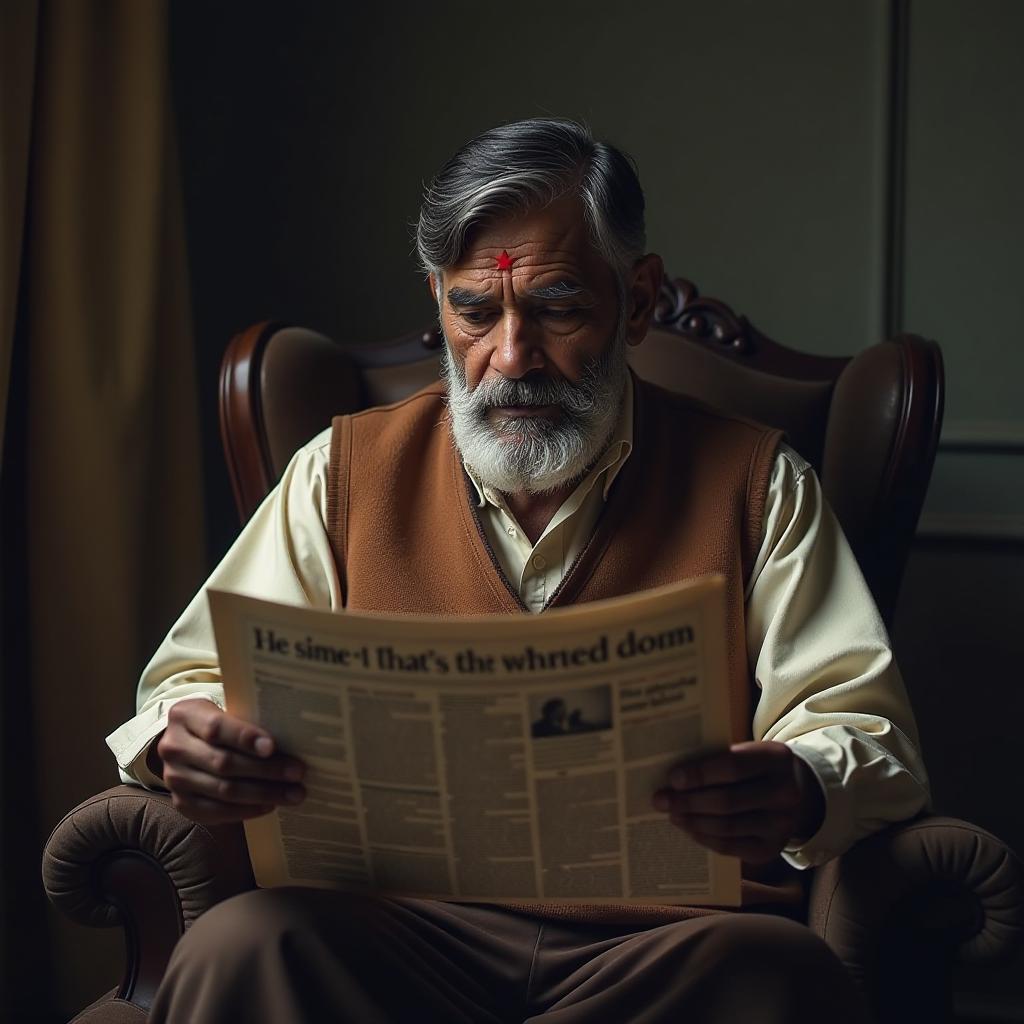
[127, 855]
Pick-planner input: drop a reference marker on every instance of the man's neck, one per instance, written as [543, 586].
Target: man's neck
[533, 512]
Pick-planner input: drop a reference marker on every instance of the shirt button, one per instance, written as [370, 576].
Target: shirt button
[511, 531]
[539, 561]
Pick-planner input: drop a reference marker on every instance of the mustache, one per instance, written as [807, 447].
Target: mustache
[532, 391]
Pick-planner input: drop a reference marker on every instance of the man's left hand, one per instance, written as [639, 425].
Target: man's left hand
[748, 801]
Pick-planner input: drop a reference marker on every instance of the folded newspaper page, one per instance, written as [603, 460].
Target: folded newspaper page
[489, 758]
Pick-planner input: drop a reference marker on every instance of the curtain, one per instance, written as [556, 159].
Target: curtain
[101, 472]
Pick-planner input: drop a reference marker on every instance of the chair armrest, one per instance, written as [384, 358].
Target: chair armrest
[126, 856]
[917, 896]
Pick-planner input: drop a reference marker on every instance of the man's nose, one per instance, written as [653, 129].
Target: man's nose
[519, 348]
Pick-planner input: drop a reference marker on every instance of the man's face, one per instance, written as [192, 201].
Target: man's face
[553, 311]
[536, 350]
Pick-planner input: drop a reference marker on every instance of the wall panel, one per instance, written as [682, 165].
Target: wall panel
[963, 231]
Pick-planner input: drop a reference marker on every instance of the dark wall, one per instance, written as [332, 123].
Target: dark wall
[308, 130]
[830, 169]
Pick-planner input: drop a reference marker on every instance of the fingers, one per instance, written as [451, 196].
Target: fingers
[186, 749]
[204, 719]
[219, 768]
[762, 793]
[753, 825]
[743, 802]
[741, 761]
[756, 836]
[185, 780]
[213, 812]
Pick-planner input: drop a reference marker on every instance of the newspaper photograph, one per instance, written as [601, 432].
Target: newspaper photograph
[487, 758]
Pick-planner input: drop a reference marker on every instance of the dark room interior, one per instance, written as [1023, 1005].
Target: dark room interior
[174, 172]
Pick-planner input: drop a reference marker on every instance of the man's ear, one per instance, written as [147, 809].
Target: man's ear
[435, 288]
[642, 296]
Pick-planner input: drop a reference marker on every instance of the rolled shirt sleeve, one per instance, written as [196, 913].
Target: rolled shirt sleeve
[282, 554]
[821, 657]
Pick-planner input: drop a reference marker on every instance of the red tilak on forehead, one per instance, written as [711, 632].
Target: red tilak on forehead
[504, 261]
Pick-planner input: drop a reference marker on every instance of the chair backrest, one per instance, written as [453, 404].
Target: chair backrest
[869, 424]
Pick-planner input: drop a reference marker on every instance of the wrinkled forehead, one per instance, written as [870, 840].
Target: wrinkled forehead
[553, 241]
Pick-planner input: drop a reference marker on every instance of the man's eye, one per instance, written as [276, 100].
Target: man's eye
[560, 313]
[475, 316]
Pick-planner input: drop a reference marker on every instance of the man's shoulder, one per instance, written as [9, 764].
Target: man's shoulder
[421, 402]
[317, 446]
[378, 434]
[374, 420]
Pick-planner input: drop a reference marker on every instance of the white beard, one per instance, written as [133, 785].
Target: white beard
[534, 454]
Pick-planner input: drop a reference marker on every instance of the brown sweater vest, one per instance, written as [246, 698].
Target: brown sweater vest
[404, 528]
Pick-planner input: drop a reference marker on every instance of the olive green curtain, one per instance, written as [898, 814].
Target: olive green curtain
[95, 322]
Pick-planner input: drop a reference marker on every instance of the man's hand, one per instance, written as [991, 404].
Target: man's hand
[749, 801]
[221, 769]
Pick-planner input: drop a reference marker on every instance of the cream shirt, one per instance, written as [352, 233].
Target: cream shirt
[537, 569]
[817, 648]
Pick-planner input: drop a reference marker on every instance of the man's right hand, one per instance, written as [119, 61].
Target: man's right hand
[222, 769]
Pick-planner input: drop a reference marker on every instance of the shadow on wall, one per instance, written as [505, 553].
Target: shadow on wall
[957, 636]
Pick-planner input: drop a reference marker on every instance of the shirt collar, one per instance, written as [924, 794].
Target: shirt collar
[610, 463]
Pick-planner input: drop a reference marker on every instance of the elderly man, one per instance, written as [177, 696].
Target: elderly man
[540, 473]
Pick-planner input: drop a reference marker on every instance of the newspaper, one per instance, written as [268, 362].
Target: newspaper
[491, 758]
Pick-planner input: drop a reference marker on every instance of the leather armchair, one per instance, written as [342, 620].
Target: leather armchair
[899, 909]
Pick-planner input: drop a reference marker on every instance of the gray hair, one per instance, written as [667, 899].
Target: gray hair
[525, 165]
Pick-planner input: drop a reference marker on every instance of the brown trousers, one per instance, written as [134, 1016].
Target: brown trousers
[288, 956]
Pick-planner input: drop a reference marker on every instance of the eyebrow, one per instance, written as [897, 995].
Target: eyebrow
[464, 297]
[559, 290]
[551, 293]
